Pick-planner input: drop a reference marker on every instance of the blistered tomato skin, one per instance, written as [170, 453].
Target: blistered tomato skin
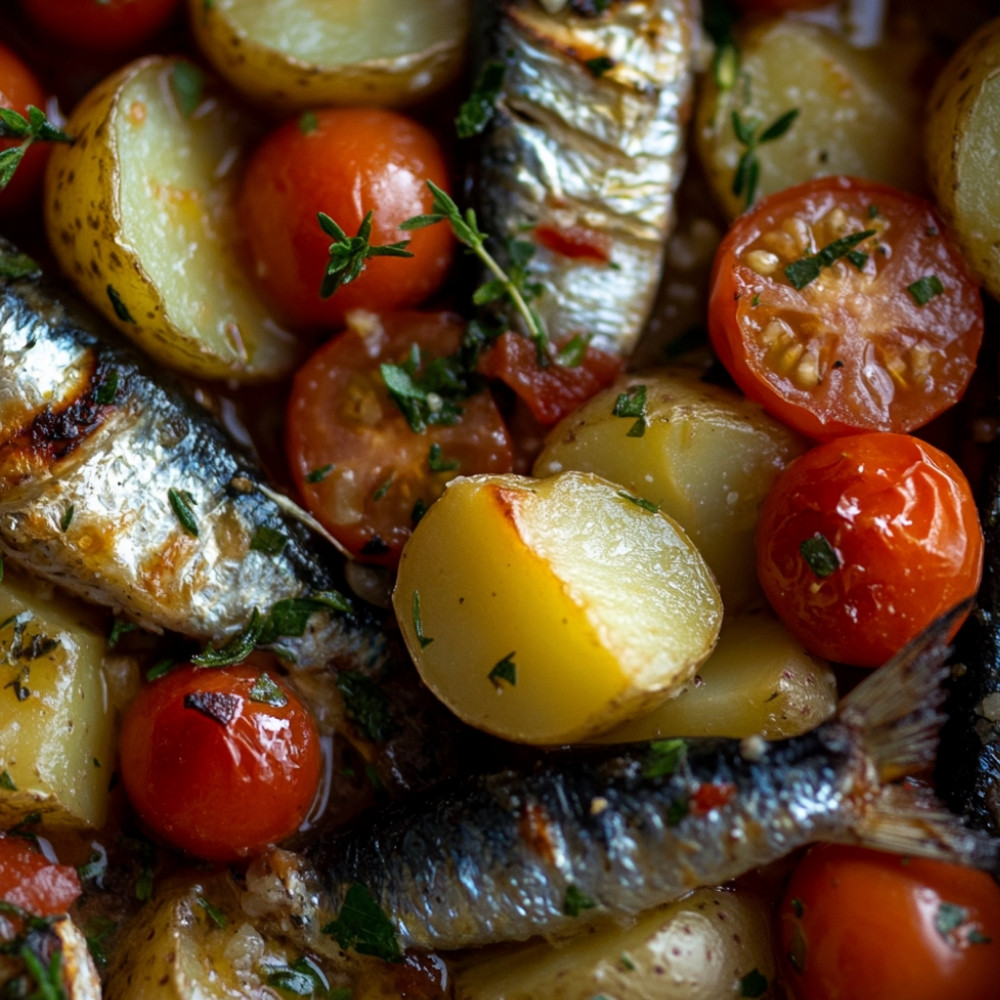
[863, 541]
[220, 762]
[344, 162]
[858, 924]
[837, 332]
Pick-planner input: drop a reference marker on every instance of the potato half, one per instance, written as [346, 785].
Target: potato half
[705, 455]
[962, 137]
[546, 610]
[711, 945]
[290, 55]
[140, 213]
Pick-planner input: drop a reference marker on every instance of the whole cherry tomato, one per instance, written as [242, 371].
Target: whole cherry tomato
[344, 162]
[862, 542]
[858, 924]
[100, 25]
[20, 88]
[361, 467]
[28, 879]
[220, 762]
[842, 305]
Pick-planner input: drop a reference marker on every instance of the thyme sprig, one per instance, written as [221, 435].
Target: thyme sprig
[34, 127]
[749, 135]
[348, 254]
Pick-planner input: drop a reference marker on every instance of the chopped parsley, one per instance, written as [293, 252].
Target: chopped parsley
[599, 65]
[477, 109]
[364, 926]
[118, 629]
[418, 625]
[925, 289]
[380, 493]
[266, 692]
[801, 272]
[267, 540]
[505, 670]
[117, 303]
[308, 122]
[367, 704]
[108, 389]
[436, 461]
[14, 264]
[640, 502]
[576, 902]
[319, 474]
[302, 978]
[214, 913]
[188, 83]
[181, 503]
[820, 555]
[67, 518]
[632, 405]
[6, 781]
[663, 757]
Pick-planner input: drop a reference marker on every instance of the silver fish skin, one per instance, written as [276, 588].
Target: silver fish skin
[505, 856]
[584, 151]
[99, 457]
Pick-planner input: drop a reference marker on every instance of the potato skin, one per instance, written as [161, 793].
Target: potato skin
[960, 142]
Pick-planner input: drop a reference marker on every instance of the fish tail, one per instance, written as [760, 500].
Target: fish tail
[896, 715]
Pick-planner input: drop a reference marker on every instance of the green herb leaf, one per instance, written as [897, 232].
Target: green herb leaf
[925, 289]
[67, 518]
[108, 389]
[188, 83]
[820, 555]
[599, 65]
[34, 127]
[302, 978]
[318, 475]
[801, 272]
[663, 757]
[632, 404]
[266, 692]
[181, 502]
[576, 902]
[747, 131]
[14, 264]
[118, 629]
[367, 704]
[505, 670]
[418, 626]
[288, 618]
[436, 461]
[572, 353]
[477, 109]
[6, 781]
[267, 540]
[753, 984]
[348, 254]
[640, 502]
[363, 926]
[236, 650]
[308, 122]
[121, 310]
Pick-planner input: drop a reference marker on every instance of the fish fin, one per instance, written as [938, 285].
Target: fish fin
[897, 709]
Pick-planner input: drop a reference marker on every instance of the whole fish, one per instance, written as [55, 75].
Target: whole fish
[968, 766]
[583, 151]
[506, 856]
[116, 486]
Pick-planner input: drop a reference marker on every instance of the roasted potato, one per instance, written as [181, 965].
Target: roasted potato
[962, 137]
[706, 456]
[759, 680]
[57, 731]
[710, 945]
[547, 610]
[140, 213]
[855, 112]
[290, 55]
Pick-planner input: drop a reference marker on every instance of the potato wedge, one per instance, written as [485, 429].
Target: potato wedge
[57, 731]
[140, 213]
[962, 136]
[290, 55]
[706, 456]
[857, 110]
[710, 945]
[546, 610]
[759, 680]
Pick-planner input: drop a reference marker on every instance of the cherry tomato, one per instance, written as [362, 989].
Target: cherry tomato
[858, 924]
[30, 880]
[835, 331]
[19, 88]
[100, 25]
[360, 467]
[556, 389]
[220, 762]
[862, 542]
[344, 162]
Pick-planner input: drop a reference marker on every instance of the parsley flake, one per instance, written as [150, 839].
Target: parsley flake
[267, 540]
[663, 757]
[67, 518]
[436, 461]
[418, 625]
[477, 109]
[121, 310]
[576, 902]
[308, 122]
[599, 65]
[367, 704]
[14, 264]
[801, 272]
[181, 502]
[214, 913]
[364, 926]
[640, 502]
[319, 474]
[820, 555]
[266, 692]
[108, 389]
[632, 404]
[505, 670]
[6, 781]
[925, 289]
[188, 83]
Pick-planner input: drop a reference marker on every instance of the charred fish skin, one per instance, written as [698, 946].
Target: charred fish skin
[584, 151]
[968, 767]
[118, 487]
[506, 856]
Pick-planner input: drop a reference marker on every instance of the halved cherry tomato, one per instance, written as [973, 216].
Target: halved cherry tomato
[100, 25]
[556, 389]
[344, 162]
[360, 467]
[28, 879]
[19, 88]
[858, 924]
[835, 331]
[862, 542]
[220, 762]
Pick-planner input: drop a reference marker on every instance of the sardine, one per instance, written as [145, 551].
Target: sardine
[118, 487]
[968, 766]
[509, 855]
[584, 150]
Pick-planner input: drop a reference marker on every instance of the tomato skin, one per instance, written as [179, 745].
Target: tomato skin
[341, 418]
[344, 162]
[902, 520]
[219, 784]
[19, 88]
[852, 350]
[100, 25]
[555, 390]
[858, 924]
[30, 880]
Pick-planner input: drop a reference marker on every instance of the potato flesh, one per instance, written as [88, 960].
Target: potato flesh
[759, 680]
[602, 607]
[858, 110]
[703, 947]
[57, 741]
[707, 458]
